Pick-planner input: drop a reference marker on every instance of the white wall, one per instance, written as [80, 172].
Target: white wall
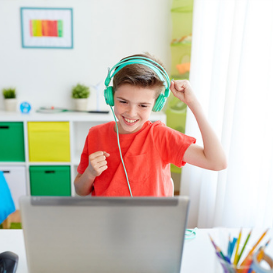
[104, 32]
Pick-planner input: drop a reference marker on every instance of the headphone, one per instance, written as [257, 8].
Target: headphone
[190, 233]
[157, 68]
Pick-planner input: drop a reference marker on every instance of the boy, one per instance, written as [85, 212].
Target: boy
[147, 148]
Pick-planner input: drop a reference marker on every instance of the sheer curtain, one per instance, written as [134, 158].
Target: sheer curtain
[232, 76]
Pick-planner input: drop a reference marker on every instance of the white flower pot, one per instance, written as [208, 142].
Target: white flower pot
[10, 105]
[81, 104]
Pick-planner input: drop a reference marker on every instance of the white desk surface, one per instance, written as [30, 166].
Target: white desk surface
[198, 253]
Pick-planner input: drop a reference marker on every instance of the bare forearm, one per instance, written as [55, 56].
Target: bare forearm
[83, 183]
[213, 151]
[211, 156]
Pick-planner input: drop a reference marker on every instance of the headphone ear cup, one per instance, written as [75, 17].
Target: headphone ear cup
[109, 95]
[159, 103]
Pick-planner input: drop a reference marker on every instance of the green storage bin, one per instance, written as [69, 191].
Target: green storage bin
[12, 142]
[50, 180]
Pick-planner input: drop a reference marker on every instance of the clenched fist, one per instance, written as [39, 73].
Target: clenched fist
[98, 162]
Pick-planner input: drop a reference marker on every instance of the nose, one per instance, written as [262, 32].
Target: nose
[132, 110]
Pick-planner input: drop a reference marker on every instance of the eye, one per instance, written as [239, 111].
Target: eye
[143, 105]
[123, 101]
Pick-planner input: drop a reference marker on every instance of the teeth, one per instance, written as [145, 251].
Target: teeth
[130, 120]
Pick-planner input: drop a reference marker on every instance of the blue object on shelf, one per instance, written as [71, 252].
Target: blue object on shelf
[25, 107]
[6, 202]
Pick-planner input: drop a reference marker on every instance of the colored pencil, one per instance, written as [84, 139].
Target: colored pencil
[261, 253]
[247, 267]
[232, 246]
[237, 248]
[243, 248]
[218, 250]
[253, 248]
[229, 245]
[215, 246]
[226, 270]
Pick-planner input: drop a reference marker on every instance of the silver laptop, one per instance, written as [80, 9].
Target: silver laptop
[98, 234]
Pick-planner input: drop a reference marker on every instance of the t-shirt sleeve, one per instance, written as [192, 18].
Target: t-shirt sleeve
[172, 144]
[84, 158]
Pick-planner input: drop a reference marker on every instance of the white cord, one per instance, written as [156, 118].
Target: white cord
[121, 154]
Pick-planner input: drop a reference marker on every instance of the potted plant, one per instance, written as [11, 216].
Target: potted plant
[80, 94]
[10, 100]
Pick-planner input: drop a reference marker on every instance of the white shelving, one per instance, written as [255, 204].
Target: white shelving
[79, 124]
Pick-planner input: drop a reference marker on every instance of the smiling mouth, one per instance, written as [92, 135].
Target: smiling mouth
[131, 121]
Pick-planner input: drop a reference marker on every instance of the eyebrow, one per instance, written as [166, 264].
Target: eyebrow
[147, 103]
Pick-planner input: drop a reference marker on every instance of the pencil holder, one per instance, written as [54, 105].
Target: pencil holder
[243, 260]
[231, 268]
[256, 264]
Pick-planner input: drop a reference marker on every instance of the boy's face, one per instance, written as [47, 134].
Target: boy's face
[133, 106]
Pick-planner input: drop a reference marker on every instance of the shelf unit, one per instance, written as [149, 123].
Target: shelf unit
[181, 42]
[181, 14]
[79, 124]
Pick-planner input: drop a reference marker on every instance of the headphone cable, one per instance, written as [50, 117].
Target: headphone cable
[121, 154]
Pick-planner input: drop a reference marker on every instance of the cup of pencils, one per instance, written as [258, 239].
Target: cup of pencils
[238, 260]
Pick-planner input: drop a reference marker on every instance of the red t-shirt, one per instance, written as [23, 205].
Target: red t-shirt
[147, 155]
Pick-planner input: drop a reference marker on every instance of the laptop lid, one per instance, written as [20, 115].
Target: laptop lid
[98, 234]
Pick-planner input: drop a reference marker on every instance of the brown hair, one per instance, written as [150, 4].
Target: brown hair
[139, 75]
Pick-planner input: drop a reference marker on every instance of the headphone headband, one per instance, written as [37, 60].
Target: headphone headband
[156, 67]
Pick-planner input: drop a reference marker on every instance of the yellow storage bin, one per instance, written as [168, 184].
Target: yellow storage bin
[49, 141]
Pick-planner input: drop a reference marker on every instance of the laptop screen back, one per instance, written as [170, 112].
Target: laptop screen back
[117, 235]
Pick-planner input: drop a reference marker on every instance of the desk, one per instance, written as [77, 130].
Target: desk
[198, 253]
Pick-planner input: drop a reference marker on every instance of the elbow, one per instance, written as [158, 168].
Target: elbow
[78, 190]
[220, 168]
[80, 193]
[221, 165]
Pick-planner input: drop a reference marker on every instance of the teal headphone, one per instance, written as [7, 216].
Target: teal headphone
[157, 68]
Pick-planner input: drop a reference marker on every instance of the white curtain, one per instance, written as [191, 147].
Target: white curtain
[232, 76]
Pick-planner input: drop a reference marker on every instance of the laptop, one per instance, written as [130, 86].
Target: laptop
[104, 234]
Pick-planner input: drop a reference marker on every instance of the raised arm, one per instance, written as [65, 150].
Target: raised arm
[212, 155]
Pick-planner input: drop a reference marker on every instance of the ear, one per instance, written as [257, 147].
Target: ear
[159, 103]
[109, 95]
